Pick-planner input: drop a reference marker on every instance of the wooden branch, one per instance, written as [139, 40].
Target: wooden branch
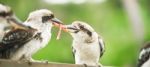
[9, 63]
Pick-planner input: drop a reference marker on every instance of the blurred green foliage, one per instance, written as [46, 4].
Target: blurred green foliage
[109, 19]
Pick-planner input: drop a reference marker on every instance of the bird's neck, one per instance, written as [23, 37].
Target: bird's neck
[86, 39]
[41, 27]
[3, 24]
[44, 29]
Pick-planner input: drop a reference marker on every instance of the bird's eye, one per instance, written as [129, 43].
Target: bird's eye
[76, 31]
[89, 33]
[46, 18]
[85, 30]
[81, 27]
[52, 16]
[2, 14]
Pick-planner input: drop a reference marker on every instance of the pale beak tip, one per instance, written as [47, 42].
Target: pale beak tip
[55, 20]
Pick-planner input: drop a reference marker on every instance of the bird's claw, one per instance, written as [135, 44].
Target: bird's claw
[29, 62]
[45, 61]
[100, 65]
[85, 65]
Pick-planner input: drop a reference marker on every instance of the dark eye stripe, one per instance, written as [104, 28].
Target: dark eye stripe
[86, 30]
[52, 16]
[4, 14]
[89, 33]
[76, 31]
[46, 18]
[72, 28]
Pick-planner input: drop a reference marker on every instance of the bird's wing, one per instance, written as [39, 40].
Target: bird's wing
[144, 56]
[102, 46]
[16, 38]
[16, 24]
[73, 51]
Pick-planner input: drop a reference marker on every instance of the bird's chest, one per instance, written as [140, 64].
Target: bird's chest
[39, 42]
[86, 51]
[146, 64]
[32, 46]
[46, 38]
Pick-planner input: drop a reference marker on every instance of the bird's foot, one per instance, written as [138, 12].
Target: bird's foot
[41, 61]
[85, 65]
[44, 61]
[100, 65]
[36, 61]
[29, 62]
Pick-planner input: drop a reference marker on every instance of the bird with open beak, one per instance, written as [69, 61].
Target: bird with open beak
[87, 45]
[7, 18]
[144, 57]
[25, 40]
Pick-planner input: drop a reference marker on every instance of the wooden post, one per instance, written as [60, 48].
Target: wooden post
[9, 63]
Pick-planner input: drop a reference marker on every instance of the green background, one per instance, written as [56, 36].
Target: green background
[109, 19]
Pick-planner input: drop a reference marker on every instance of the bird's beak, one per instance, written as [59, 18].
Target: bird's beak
[58, 23]
[55, 20]
[16, 23]
[70, 28]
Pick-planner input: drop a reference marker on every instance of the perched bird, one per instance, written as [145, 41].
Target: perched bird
[7, 18]
[88, 47]
[144, 57]
[23, 41]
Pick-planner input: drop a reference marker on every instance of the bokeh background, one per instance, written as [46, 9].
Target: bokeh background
[123, 24]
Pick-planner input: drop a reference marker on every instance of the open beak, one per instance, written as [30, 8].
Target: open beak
[70, 28]
[55, 20]
[59, 24]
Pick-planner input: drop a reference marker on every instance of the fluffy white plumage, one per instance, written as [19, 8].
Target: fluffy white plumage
[3, 20]
[4, 8]
[42, 20]
[35, 21]
[87, 46]
[5, 14]
[144, 56]
[146, 64]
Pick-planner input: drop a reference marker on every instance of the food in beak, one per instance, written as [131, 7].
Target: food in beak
[55, 20]
[61, 27]
[59, 32]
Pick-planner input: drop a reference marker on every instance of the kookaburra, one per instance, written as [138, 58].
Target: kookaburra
[25, 40]
[7, 18]
[144, 57]
[88, 47]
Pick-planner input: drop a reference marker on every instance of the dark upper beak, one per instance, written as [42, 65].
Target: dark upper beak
[55, 20]
[71, 28]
